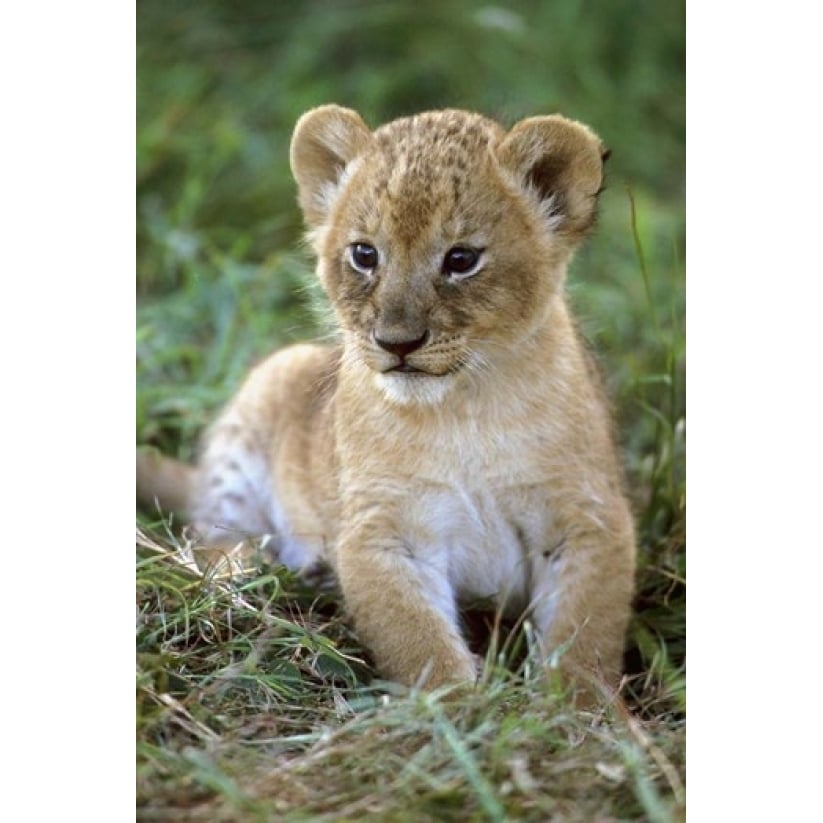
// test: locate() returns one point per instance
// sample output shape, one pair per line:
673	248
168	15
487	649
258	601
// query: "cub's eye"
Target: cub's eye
363	257
461	261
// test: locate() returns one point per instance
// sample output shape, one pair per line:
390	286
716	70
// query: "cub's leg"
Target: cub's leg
404	609
231	503
224	498
266	474
581	602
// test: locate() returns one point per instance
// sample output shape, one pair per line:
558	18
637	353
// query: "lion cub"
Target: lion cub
456	444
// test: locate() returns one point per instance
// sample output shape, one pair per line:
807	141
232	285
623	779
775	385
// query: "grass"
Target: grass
255	700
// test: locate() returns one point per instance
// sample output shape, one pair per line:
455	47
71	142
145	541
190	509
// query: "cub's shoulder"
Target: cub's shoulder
295	374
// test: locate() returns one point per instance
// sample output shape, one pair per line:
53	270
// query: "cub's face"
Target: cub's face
441	240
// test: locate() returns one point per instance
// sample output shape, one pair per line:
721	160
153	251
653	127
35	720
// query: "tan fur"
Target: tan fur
491	470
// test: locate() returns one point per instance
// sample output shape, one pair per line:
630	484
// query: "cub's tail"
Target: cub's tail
164	482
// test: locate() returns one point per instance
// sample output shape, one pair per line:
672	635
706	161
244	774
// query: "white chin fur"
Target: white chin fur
413	389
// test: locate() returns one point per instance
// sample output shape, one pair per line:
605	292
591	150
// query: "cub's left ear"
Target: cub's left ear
559	163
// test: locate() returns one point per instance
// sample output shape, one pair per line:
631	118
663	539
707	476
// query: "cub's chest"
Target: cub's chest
465	491
499	460
477	507
483	537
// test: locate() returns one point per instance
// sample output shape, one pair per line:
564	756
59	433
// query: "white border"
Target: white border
754	410
66	335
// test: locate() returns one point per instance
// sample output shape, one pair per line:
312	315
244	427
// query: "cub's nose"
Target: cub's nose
402	348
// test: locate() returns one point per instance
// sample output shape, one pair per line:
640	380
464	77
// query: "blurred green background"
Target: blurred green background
222	275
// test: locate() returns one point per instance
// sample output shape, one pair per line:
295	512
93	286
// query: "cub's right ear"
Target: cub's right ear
325	141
